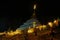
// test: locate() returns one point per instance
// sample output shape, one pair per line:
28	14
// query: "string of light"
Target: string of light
31	30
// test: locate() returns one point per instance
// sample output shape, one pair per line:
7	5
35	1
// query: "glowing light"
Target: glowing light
50	24
34	7
1	33
56	22
44	26
40	27
11	33
30	30
18	32
34	24
37	27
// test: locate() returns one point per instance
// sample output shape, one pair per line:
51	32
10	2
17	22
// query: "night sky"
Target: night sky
13	14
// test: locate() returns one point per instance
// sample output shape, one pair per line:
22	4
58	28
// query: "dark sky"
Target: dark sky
13	14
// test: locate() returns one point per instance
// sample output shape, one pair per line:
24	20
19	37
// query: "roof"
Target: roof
28	23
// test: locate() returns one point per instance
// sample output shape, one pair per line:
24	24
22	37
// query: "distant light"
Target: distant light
12	33
18	32
2	33
40	27
50	24
56	22
34	7
34	24
44	26
30	30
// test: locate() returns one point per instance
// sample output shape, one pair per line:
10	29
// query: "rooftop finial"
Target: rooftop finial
34	6
34	10
34	14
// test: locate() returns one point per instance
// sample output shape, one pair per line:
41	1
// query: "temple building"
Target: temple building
32	22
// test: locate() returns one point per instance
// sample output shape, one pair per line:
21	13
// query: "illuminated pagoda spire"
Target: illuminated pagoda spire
32	22
34	13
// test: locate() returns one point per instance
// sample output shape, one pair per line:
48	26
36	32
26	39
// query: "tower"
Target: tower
34	15
34	11
32	22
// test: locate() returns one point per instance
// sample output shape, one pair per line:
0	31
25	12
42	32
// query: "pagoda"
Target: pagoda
32	22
